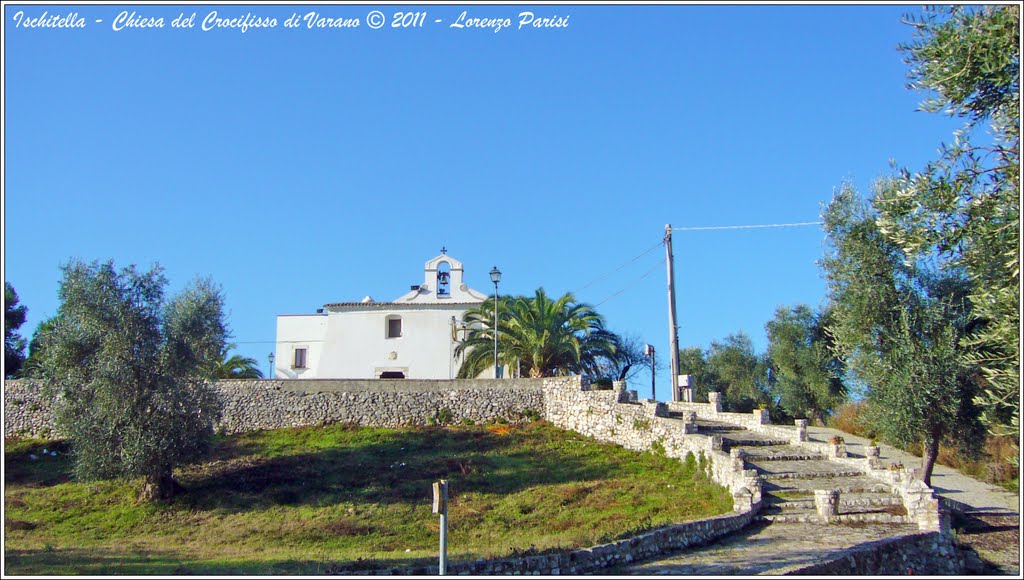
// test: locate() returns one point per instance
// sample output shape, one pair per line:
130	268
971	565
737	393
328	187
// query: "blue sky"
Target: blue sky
301	167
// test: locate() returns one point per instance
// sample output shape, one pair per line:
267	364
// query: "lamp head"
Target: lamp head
495	275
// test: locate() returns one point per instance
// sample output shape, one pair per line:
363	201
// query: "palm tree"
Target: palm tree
236	366
543	337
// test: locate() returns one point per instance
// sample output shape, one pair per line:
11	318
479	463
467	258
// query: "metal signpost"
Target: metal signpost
441	507
649	351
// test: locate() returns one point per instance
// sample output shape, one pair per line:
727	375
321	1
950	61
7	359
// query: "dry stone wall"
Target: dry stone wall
250	405
26	410
273	404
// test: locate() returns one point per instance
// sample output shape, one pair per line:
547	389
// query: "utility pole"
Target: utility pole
673	329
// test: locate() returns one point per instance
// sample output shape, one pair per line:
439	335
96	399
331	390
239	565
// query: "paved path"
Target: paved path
767	549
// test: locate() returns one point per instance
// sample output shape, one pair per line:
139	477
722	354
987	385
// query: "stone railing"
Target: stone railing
712	411
603	415
920	501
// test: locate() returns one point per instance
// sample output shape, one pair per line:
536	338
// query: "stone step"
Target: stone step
788	469
731	442
853	500
840	519
715	426
809	474
845	485
788	453
797	508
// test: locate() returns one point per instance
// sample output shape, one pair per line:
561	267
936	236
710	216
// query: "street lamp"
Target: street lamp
649	351
495	277
270	357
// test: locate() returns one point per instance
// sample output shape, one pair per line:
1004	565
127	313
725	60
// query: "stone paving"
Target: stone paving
767	549
790	533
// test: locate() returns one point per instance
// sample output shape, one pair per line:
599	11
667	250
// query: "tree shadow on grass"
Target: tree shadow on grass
100	561
399	468
20	468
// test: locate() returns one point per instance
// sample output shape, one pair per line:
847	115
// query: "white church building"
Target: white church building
413	336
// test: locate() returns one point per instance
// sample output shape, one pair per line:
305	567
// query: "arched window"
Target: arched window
444	274
393	326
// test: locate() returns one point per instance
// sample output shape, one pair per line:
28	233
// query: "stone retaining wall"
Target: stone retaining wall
590	560
272	404
918	554
251	404
26	411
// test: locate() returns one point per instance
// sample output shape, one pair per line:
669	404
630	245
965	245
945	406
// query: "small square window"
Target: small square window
300	359
394	327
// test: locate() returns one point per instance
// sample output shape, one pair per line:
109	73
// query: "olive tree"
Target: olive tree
129	371
899	323
807	374
963	208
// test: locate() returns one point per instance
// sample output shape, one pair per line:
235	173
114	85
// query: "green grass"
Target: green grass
295	501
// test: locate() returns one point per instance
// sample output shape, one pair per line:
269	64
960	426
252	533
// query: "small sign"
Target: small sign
441	497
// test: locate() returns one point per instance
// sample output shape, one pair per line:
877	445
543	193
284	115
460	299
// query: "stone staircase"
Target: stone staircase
794	476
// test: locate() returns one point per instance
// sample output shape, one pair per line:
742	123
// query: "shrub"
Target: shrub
602	384
443	416
850	419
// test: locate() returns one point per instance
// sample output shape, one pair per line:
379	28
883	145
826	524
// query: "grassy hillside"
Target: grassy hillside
294	501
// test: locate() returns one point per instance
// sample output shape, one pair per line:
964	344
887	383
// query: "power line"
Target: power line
634	283
621	266
747	227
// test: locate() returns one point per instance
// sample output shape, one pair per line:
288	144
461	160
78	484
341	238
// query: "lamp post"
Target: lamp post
270	357
649	351
495	277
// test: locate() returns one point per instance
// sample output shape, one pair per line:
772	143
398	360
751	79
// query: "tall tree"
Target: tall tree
807	373
543	337
899	324
130	371
35	348
14	344
964	207
742	375
693	362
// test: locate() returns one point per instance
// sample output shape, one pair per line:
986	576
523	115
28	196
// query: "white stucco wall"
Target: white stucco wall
360	349
299	331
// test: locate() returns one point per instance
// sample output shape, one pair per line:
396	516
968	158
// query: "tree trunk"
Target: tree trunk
159	486
819	417
931	452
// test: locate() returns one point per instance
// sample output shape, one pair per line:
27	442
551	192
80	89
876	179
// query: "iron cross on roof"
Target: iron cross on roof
444	251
